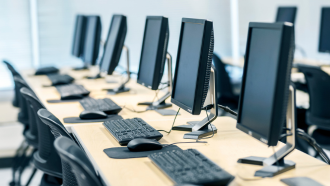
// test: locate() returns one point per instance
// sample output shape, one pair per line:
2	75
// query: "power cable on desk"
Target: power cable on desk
172	124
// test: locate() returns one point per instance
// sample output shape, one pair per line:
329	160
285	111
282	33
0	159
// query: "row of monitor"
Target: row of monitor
265	87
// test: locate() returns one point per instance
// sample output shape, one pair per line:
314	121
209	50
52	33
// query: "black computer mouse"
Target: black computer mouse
72	97
141	144
88	114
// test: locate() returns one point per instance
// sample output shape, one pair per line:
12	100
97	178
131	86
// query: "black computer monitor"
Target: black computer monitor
286	14
267	68
92	39
324	42
79	36
153	53
193	65
114	44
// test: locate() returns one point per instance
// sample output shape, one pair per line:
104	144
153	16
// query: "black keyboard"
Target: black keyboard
126	130
190	167
106	105
46	70
60	79
72	91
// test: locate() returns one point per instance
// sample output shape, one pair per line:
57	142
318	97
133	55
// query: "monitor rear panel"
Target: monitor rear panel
286	14
153	53
193	65
264	95
324	42
79	36
92	40
114	44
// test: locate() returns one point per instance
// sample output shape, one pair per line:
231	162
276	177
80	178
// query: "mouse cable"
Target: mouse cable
133	110
185	142
172	124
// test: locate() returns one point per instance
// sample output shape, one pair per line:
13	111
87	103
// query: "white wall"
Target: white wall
56	22
306	27
15	41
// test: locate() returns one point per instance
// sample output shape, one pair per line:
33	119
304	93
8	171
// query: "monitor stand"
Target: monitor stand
80	68
122	87
200	129
161	104
275	164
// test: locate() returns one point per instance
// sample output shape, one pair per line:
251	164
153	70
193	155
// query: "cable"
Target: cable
208	119
284	135
227	109
185	142
311	141
132	110
172	124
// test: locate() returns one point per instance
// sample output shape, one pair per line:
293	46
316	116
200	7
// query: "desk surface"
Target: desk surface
225	148
130	99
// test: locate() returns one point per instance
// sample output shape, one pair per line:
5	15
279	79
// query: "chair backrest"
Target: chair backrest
58	130
318	83
46	138
225	89
33	127
81	166
11	68
23	114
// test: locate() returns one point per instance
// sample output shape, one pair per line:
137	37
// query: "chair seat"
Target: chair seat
54	168
321	123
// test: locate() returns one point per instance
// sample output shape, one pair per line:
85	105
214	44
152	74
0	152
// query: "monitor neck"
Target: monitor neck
169	76
121	88
211	99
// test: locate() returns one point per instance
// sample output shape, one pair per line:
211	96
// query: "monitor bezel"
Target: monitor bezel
287	7
321	33
161	52
287	30
199	91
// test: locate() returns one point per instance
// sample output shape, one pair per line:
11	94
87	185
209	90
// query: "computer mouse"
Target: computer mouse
78	96
141	144
92	114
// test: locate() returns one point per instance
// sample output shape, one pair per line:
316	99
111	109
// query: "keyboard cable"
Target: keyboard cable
168	132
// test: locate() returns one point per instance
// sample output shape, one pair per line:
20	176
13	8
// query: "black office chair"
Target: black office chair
318	114
59	130
14	73
23	115
81	166
45	158
225	94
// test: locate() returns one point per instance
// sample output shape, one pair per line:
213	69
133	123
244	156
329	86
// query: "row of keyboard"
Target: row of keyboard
182	166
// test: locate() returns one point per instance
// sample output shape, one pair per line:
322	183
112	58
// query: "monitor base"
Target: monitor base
98	76
117	91
80	68
205	131
270	170
161	105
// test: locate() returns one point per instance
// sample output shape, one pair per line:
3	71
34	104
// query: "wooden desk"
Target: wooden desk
130	99
225	148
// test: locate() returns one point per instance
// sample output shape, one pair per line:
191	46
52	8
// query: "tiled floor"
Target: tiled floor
6	177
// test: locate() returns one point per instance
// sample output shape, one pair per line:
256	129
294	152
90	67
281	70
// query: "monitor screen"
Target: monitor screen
324	42
149	51
110	44
260	80
286	14
189	59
